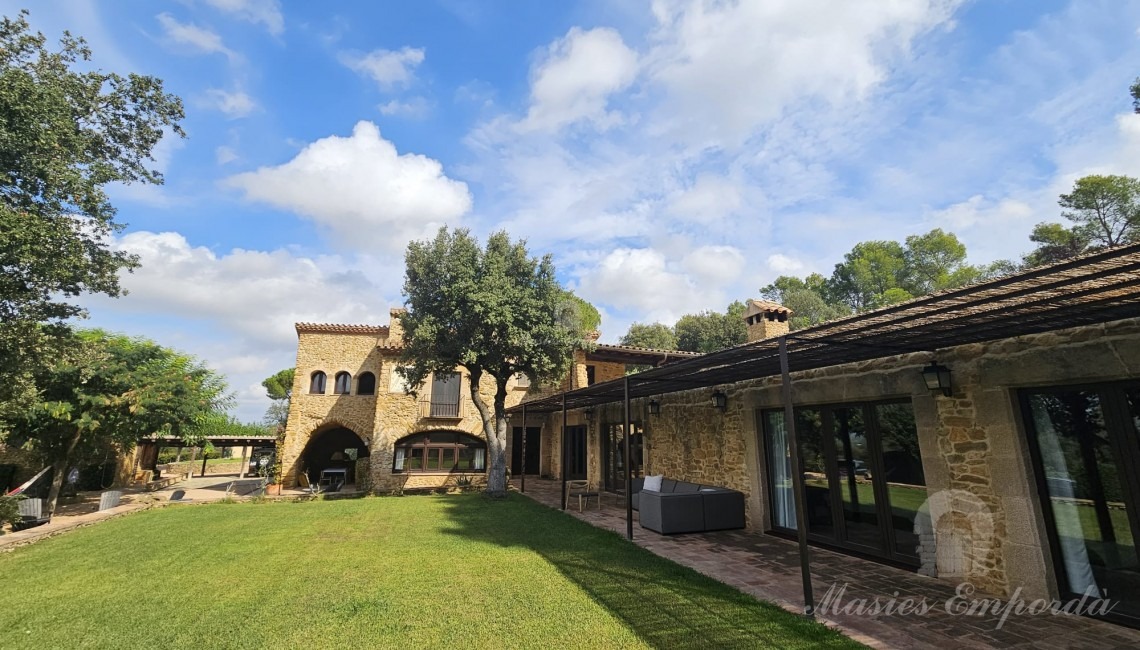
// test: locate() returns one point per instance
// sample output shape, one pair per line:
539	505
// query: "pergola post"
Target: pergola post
204	457
524	450
628	466
565	447
797	477
244	463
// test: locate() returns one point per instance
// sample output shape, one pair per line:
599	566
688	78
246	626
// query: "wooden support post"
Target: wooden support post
204	457
244	462
797	478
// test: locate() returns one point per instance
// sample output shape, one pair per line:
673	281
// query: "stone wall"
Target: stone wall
381	419
984	517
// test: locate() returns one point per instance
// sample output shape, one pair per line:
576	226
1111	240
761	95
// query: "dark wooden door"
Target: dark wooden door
533	444
576	452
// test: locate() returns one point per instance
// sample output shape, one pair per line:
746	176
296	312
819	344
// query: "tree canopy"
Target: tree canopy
658	336
66	131
279	388
494	311
109	391
1103	210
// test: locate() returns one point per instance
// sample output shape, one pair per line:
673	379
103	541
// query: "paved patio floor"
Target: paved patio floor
768	568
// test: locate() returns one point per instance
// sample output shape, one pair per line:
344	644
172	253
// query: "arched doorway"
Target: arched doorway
332	454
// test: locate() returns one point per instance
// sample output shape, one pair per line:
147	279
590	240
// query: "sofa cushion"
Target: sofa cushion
667	484
684	486
637	484
652	483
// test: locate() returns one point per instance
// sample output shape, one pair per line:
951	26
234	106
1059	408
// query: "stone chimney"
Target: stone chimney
395	327
765	319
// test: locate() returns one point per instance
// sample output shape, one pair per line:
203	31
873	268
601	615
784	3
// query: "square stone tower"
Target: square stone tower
765	319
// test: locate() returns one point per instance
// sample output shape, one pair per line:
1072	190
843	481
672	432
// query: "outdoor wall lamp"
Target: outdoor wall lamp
654	407
589	413
937	377
719	399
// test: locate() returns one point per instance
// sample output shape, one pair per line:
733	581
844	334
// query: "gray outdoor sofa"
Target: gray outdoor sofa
683	507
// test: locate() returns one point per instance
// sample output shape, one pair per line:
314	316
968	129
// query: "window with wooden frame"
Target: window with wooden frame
440	451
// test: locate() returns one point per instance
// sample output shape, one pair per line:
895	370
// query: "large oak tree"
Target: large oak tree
494	311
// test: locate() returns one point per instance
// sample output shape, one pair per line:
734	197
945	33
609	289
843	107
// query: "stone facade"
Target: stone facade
380	420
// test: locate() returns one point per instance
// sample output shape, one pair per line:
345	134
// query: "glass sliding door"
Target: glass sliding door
856	491
1086	452
902	473
863	479
613	454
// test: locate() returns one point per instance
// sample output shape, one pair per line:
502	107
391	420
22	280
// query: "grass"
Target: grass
417	572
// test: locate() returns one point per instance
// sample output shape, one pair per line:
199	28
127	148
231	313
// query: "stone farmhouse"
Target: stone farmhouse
351	417
988	434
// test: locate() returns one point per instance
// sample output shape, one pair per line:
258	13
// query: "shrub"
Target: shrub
9	509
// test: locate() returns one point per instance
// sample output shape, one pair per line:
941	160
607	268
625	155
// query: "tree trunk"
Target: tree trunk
60	469
495	429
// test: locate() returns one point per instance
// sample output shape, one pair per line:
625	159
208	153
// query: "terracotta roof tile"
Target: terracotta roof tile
339	328
756	306
634	348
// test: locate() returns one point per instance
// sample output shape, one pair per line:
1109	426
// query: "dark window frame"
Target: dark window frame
318	382
888	553
1114	407
361	385
342	383
423	442
441	404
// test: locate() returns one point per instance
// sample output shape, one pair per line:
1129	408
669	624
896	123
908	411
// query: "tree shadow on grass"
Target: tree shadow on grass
667	605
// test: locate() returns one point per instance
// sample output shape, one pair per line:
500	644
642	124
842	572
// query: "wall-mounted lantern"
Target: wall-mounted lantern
937	378
719	399
589	413
654	407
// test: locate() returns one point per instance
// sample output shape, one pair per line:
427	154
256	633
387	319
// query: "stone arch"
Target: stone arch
333	446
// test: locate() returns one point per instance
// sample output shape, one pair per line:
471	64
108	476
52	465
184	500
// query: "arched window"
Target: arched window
366	384
440	451
343	385
317	383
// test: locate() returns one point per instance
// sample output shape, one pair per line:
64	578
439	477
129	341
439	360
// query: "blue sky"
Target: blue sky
672	155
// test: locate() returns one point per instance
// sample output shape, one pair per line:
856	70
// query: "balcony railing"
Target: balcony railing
441	410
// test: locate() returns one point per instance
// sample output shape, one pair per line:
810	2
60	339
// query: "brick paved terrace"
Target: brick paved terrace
768	568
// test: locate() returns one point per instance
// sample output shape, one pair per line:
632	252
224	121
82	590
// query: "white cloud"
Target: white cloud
977	210
360	188
729	68
256	294
708	199
575	78
415	107
639	279
193	37
225	155
234	104
388	68
264	12
784	264
714	266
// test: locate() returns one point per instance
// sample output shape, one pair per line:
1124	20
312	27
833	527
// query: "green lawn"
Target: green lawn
414	572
